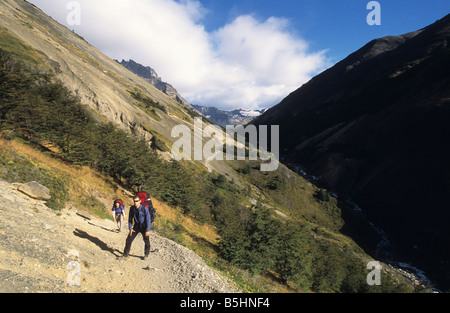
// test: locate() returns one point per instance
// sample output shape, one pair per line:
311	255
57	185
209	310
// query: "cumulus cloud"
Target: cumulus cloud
248	63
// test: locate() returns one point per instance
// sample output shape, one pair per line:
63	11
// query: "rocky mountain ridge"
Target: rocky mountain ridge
217	116
150	75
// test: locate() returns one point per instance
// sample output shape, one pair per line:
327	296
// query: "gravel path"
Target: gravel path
46	251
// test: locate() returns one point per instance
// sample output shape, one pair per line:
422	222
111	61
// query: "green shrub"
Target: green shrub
323	195
92	204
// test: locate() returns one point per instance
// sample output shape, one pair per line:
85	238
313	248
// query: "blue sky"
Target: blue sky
338	26
237	53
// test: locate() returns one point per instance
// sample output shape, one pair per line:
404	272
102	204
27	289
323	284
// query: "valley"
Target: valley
90	130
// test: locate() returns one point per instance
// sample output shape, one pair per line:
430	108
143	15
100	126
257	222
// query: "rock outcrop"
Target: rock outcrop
35	190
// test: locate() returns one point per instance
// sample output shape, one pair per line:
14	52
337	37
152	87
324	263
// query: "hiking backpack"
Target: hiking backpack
120	201
147	202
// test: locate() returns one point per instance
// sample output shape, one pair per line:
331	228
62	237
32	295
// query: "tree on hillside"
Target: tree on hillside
294	258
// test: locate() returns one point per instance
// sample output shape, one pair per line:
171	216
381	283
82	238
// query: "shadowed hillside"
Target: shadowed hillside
375	127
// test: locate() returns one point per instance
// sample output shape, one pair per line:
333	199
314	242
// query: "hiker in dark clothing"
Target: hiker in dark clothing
140	216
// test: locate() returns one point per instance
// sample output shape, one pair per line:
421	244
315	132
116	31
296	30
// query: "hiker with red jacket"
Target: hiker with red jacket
118	212
140	217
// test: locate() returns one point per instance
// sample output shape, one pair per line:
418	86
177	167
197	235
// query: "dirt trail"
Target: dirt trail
46	251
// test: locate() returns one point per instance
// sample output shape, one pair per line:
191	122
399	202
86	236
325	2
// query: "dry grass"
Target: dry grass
80	178
83	181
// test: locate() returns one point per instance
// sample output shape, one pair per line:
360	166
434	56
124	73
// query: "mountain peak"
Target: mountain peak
150	75
377	47
144	71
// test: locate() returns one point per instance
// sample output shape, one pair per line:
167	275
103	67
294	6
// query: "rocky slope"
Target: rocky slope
47	251
102	84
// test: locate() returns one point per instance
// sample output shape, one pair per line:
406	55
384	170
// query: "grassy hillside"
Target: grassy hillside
19	49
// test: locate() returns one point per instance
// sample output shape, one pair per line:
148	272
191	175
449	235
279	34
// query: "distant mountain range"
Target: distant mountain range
376	128
218	116
223	118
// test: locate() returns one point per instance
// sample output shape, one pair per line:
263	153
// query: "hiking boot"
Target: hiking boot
122	257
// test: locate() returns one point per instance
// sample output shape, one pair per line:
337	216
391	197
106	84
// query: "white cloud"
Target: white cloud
246	64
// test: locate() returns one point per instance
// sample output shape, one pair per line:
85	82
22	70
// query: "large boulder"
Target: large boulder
35	190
